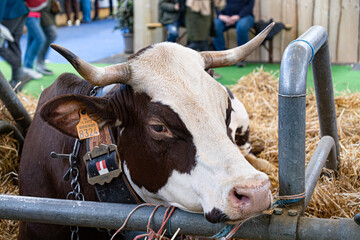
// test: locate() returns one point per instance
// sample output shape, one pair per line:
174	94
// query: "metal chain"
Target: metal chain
93	91
75	194
73	172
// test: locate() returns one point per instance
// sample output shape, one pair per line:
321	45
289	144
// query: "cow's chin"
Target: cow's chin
217	216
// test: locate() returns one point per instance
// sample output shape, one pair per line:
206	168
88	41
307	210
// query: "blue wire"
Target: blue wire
312	48
223	232
170	226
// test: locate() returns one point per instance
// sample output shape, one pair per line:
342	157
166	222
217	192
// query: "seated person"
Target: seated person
169	16
238	14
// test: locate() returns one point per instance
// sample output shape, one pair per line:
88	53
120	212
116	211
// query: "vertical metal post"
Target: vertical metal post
321	67
292	112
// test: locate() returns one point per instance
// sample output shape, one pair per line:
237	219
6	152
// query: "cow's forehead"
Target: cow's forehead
174	75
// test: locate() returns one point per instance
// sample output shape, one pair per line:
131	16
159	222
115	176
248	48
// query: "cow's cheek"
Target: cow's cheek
180	192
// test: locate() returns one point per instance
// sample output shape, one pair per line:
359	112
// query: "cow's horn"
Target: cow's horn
99	76
214	59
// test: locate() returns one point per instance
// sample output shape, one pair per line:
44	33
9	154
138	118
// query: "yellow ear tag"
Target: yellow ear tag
86	128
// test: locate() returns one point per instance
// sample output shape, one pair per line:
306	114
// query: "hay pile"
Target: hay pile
9	164
332	198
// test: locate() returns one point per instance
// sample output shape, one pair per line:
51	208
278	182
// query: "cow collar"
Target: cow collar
104	167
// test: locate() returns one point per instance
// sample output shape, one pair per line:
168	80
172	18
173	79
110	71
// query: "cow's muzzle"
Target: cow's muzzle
244	201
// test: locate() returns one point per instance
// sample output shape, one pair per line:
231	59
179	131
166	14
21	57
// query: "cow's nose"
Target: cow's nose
251	198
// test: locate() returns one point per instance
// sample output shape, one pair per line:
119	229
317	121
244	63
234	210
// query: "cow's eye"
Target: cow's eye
158	128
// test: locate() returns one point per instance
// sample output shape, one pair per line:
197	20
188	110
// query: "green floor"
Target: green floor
343	77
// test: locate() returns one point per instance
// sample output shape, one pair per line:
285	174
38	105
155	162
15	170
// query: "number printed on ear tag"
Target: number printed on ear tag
86	128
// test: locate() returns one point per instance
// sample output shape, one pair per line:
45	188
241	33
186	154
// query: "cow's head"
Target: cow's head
173	129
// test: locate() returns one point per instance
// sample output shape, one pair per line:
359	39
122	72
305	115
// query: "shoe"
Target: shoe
33	74
19	83
217	75
241	64
42	69
77	22
69	23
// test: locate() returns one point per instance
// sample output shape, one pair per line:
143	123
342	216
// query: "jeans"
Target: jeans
50	34
86	9
242	31
11	52
71	5
172	29
35	41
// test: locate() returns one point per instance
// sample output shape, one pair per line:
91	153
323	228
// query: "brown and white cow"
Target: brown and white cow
171	122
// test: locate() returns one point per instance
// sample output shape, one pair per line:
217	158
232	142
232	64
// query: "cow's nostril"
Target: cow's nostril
241	198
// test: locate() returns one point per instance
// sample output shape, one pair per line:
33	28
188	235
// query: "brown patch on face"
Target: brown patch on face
241	138
216	216
228	119
231	95
151	160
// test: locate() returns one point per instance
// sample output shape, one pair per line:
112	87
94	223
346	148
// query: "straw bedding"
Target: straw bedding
333	198
9	164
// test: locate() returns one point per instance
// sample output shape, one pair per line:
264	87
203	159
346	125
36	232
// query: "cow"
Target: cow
173	126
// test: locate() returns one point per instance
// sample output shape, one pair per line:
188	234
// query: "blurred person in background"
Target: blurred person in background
96	6
13	14
49	28
72	5
35	41
86	10
236	14
199	22
170	13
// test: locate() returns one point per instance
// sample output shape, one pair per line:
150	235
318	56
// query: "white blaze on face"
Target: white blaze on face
175	76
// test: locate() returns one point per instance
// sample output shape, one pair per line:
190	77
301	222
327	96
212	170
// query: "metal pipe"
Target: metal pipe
292	109
13	104
113	215
317	228
316	165
6	128
323	84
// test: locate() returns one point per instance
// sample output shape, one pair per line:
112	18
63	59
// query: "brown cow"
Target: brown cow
170	121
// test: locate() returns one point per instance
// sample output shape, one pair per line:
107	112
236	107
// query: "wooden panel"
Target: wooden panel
348	35
265	14
334	22
276	12
305	15
321	13
255	56
289	16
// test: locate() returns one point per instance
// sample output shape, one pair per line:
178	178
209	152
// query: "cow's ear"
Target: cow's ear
63	112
